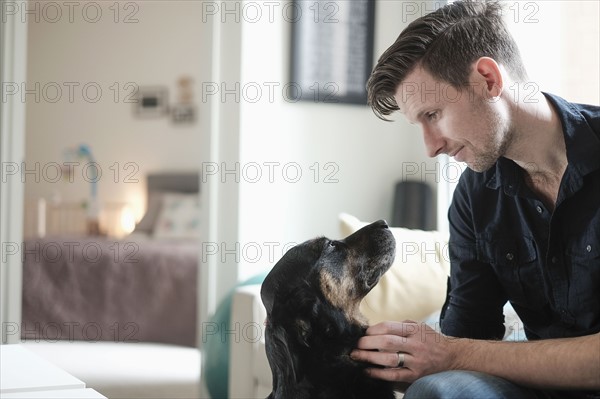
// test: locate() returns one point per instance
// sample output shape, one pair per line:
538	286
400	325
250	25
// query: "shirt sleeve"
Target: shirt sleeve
475	298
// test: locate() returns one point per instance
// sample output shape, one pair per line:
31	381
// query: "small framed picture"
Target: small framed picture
152	102
332	50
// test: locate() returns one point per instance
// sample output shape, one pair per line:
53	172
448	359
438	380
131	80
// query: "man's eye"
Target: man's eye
432	116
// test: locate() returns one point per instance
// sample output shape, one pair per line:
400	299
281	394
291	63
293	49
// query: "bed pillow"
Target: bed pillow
415	286
179	216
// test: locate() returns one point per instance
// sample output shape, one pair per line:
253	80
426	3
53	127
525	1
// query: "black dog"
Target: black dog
312	296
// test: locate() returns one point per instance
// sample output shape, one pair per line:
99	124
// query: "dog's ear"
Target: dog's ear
304	306
289	330
284	361
304	330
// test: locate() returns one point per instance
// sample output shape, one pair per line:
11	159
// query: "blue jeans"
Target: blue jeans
469	385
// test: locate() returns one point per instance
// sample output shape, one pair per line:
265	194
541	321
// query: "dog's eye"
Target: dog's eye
335	246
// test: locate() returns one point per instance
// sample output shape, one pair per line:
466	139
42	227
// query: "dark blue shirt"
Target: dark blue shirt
505	245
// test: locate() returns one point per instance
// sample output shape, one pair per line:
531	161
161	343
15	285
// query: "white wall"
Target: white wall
152	43
560	46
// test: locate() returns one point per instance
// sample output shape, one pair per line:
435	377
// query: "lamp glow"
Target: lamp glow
127	220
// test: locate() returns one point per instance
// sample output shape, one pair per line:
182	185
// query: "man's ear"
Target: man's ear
489	74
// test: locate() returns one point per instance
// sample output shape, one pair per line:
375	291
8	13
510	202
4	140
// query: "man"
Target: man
524	221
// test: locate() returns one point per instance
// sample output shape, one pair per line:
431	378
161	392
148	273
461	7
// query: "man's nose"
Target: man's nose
434	142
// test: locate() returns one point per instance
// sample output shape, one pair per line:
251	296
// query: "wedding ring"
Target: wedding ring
400	359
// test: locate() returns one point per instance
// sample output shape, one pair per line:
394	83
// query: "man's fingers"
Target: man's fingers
387	359
403	329
389	343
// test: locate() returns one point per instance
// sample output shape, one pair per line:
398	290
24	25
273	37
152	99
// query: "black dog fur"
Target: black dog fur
312	297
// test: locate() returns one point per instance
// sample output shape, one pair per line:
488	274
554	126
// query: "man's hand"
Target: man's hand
425	351
566	363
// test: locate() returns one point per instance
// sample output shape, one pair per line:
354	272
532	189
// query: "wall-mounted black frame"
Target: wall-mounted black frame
151	101
332	50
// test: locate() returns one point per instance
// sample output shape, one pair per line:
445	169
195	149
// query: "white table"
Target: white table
24	374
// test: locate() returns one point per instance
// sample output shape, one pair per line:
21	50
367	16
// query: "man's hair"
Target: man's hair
445	43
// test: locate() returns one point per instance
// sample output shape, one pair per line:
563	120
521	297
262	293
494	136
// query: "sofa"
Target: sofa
414	288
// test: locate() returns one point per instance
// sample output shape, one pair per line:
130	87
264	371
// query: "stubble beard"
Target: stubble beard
498	136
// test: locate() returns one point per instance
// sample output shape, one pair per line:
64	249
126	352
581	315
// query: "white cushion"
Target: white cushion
415	285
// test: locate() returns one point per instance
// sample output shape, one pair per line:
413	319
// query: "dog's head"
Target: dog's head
312	296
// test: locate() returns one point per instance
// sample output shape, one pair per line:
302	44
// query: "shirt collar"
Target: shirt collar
506	173
582	143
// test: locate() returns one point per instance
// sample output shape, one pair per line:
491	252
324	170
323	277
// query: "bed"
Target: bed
141	288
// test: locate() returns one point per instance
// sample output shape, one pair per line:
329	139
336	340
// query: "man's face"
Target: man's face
465	124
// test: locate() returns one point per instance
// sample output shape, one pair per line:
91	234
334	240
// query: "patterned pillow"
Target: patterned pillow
179	216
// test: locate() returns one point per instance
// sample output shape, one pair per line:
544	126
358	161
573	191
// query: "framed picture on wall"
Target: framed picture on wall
151	102
331	51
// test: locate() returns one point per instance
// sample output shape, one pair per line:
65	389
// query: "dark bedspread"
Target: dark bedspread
100	289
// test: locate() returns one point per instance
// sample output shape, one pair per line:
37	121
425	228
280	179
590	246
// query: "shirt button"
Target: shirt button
588	248
510	256
539	209
554	259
